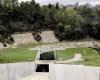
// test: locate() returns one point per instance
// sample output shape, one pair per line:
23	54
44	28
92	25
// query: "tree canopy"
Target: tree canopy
68	23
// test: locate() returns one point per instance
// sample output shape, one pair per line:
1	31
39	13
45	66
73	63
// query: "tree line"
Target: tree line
70	22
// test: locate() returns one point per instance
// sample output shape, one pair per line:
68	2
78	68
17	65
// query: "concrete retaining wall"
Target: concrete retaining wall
14	71
73	72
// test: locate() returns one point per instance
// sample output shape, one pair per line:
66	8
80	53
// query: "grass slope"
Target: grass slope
91	56
19	54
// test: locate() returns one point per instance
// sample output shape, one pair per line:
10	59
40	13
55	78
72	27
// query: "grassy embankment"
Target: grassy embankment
19	54
91	56
22	53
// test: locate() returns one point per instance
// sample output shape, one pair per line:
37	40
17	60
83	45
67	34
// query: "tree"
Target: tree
60	31
76	22
57	6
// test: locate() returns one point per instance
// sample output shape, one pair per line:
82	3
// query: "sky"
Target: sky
65	2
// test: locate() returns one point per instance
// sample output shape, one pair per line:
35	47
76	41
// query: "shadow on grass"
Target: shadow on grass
97	49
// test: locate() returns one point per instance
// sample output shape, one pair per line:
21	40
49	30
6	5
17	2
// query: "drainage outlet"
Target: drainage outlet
42	68
47	56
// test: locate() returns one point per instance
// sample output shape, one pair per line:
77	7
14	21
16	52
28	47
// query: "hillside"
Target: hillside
47	37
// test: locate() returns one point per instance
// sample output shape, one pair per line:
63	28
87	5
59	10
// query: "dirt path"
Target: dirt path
62	46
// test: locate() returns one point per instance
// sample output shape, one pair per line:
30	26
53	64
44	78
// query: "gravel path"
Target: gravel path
62	46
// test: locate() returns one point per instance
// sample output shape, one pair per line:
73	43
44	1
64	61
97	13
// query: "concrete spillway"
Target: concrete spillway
37	76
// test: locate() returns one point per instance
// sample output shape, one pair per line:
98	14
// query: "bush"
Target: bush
37	37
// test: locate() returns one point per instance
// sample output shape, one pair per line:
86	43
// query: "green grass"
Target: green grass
19	54
91	56
94	62
65	54
22	53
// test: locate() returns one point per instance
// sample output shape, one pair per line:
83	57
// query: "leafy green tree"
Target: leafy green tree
72	23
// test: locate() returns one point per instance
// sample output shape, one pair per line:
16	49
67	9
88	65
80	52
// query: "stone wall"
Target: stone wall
23	38
47	36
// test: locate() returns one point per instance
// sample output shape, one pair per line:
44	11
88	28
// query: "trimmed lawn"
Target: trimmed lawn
19	54
91	56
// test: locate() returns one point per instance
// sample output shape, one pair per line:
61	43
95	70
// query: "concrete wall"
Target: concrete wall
13	71
73	72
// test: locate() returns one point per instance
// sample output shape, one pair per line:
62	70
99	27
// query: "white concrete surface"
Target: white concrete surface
4	72
13	71
26	71
74	72
37	76
60	72
67	72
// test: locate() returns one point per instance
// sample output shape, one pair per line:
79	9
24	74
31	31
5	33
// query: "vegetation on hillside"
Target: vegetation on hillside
68	23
